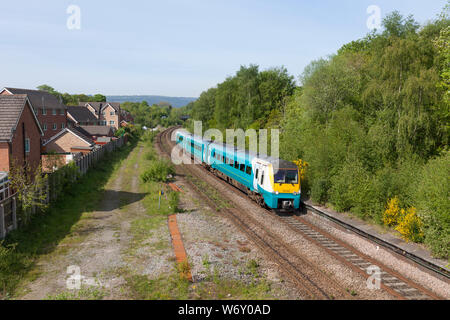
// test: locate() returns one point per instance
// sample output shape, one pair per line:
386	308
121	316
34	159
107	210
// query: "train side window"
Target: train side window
248	170
242	167
262	178
256	174
236	165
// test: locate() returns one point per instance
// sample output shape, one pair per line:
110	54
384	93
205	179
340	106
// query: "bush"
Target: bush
410	226
174	200
151	155
433	204
159	170
392	214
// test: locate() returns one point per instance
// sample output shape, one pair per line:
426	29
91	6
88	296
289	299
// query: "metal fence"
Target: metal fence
9	208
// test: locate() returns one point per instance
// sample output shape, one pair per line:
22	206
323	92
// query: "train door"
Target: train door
259	176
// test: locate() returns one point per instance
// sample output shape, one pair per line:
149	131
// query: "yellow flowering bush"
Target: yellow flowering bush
406	222
410	226
392	214
302	166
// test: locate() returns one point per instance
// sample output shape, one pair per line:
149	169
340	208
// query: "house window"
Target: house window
112	113
61	112
112	122
45	127
63	125
55	126
54	112
4	188
36	111
44	111
27	145
103	123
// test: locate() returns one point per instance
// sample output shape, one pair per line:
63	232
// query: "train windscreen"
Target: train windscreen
286	176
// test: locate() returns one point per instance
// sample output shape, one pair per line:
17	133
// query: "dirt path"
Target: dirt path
101	238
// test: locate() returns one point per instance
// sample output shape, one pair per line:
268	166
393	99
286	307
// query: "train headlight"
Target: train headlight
277	193
295	193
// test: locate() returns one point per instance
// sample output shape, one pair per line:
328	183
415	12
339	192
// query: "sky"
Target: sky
175	47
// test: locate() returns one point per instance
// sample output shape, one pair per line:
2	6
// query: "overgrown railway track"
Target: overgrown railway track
309	278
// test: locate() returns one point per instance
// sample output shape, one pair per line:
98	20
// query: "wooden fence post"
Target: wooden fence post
2	222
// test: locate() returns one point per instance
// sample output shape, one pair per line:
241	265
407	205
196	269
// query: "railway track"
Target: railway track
390	280
435	269
311	280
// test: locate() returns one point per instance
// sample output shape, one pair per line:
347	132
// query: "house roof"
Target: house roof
104	139
11	108
98	106
96	130
73	131
38	98
81	114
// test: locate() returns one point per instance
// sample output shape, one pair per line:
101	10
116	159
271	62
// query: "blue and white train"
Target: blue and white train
271	182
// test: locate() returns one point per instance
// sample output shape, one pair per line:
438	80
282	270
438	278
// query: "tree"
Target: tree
30	186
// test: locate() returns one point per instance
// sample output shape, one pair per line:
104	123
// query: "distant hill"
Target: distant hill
176	102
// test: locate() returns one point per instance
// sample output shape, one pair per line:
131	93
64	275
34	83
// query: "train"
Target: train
271	182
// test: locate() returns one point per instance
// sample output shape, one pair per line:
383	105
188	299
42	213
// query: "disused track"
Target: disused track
312	282
309	278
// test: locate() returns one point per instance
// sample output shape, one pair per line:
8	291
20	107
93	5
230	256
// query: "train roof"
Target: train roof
246	154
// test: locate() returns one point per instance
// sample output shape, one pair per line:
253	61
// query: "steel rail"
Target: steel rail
385	244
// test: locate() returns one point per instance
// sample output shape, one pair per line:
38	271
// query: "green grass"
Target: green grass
53	232
166	287
89	293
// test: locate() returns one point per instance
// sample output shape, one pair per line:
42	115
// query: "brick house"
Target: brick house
64	147
108	113
51	113
20	133
69	140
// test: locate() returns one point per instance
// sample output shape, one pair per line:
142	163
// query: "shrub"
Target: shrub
392	214
159	170
410	226
433	204
174	200
151	155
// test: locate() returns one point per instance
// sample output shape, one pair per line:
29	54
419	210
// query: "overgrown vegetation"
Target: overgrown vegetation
158	114
159	170
371	121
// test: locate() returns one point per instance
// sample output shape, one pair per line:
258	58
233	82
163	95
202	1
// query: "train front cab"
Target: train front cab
280	190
